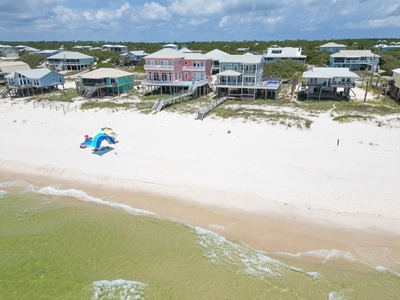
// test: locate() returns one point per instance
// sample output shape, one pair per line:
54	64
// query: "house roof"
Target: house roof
105	73
229	73
240	58
332	45
34	73
285	52
216	54
329	73
166	53
396	70
195	55
185	50
354	53
10	66
70	55
136	53
170	45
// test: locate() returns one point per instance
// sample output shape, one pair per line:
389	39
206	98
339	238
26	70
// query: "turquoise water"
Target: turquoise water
65	244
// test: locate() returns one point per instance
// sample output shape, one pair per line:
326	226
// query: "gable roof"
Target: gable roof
33	74
70	55
216	54
105	73
329	73
396	70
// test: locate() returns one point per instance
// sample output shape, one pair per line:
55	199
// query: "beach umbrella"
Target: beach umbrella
109	131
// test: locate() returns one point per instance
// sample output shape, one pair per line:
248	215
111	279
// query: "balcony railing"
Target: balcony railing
353	61
194	68
158	67
333	84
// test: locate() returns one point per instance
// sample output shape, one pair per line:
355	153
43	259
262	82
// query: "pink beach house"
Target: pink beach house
170	68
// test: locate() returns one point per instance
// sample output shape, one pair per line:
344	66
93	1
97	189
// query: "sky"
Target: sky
197	20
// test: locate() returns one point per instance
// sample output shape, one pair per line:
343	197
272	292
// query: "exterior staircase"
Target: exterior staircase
5	92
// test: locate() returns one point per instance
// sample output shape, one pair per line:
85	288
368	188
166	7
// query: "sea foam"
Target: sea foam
81	195
3	194
118	289
249	261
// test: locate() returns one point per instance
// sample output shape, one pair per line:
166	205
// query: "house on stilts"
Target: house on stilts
177	74
26	83
104	82
241	76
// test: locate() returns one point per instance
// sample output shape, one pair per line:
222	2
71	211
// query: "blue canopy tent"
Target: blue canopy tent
97	140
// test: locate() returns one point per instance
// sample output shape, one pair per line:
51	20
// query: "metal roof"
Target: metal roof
240	58
354	53
105	73
216	54
329	73
166	53
195	55
33	74
70	55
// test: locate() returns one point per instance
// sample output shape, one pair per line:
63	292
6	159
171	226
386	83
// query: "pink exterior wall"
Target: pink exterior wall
180	67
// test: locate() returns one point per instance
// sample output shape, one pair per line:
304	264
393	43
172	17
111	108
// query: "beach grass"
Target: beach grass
66	95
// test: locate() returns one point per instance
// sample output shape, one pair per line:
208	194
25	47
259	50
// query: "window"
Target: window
164	76
150	76
59	79
276	51
198	64
166	63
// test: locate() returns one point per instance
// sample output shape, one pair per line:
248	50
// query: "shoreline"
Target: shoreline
273	234
272	188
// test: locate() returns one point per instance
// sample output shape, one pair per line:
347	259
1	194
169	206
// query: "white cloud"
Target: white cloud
376	23
154	12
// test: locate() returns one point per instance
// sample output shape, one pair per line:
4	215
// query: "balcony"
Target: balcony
194	68
158	67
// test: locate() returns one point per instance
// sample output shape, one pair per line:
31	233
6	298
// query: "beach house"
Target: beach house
332	47
116	48
170	46
241	76
215	56
132	57
169	70
395	88
327	83
274	54
70	61
104	82
29	82
355	60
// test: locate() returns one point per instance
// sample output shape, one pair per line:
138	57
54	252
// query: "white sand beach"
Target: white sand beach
269	186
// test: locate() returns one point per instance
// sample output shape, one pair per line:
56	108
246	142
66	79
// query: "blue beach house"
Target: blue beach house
70	61
30	82
105	82
355	60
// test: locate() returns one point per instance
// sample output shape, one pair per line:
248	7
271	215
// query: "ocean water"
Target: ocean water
66	244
